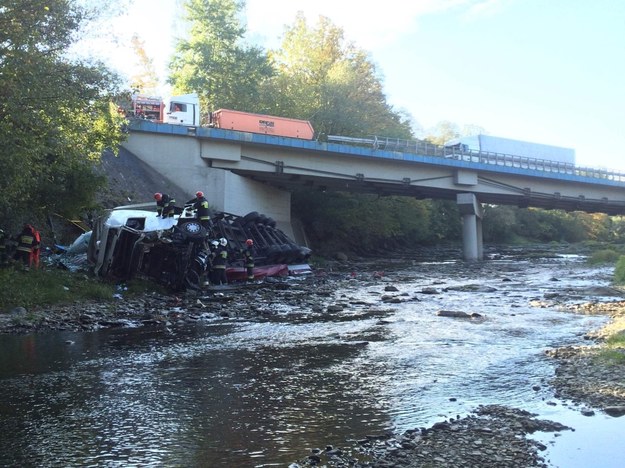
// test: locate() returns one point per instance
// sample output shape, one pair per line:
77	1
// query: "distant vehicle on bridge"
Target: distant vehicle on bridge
464	146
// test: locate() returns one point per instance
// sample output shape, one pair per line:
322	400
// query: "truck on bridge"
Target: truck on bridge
525	149
185	110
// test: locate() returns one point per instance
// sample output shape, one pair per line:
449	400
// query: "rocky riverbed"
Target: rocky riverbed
492	435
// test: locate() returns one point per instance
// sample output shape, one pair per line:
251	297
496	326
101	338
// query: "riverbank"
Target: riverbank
493	435
499	436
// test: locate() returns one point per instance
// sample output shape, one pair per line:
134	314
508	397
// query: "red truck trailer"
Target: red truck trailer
258	123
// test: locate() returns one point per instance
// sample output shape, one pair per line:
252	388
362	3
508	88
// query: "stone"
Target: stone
452	313
19	311
587	412
614	411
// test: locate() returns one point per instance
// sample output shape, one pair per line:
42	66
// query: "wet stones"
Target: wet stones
493	436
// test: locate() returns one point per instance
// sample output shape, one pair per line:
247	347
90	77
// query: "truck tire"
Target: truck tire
252	216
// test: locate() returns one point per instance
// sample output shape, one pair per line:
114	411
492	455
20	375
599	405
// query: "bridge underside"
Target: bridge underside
516	196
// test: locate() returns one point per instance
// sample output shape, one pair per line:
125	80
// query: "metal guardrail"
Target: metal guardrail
483	157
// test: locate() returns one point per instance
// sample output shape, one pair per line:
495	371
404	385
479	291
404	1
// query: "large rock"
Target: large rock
457	314
615	411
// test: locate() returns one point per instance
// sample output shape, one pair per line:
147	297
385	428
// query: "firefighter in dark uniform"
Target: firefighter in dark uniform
165	205
202	212
248	259
218	272
28	247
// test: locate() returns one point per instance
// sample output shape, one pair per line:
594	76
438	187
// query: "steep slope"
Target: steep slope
132	181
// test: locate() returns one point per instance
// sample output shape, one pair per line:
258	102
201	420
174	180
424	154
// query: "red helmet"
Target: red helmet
158	196
199	194
249	242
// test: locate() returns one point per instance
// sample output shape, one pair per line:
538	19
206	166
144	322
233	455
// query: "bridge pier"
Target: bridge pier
471	211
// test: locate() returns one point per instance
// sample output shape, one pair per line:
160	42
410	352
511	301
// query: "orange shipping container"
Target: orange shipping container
257	123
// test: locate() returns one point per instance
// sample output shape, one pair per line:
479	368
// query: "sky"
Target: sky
546	71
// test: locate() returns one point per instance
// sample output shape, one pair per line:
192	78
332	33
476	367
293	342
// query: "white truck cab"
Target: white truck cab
183	110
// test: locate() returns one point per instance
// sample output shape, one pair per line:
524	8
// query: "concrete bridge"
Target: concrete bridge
241	172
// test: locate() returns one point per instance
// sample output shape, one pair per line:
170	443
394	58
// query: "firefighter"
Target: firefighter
248	258
202	213
218	272
28	247
165	205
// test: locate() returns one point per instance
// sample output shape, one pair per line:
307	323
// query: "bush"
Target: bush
603	256
619	270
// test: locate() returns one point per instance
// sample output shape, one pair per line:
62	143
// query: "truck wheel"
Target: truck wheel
250	217
193	230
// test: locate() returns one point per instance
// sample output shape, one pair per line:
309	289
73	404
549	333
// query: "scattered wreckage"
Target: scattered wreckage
175	252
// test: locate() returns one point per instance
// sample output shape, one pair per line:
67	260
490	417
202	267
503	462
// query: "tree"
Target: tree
499	222
446	130
55	113
146	79
361	222
214	62
322	78
445	221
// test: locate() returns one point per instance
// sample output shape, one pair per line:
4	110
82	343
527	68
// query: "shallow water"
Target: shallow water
263	392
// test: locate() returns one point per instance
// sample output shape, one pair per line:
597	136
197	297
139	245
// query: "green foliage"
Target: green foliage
617	340
499	223
603	256
214	62
332	83
55	113
362	222
44	287
48	287
508	223
619	270
445	222
614	350
612	356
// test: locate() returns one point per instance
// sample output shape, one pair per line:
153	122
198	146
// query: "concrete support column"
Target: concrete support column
471	211
480	239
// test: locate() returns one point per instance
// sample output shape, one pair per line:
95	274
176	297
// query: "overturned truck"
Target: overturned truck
175	251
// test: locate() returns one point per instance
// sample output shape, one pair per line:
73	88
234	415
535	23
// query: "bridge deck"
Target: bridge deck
502	179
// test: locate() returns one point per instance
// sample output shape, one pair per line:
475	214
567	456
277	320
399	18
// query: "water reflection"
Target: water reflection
246	393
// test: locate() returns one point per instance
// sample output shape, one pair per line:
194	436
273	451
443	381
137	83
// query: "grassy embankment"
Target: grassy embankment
37	288
612	349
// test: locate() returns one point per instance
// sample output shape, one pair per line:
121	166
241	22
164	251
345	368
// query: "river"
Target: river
264	391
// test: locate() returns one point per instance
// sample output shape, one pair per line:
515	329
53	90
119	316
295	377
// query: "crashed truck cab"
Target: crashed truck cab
132	242
175	251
